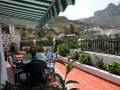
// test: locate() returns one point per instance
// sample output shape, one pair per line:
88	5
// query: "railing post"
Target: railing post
81	40
114	46
106	46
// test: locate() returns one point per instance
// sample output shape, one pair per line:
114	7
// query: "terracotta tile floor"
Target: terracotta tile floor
86	80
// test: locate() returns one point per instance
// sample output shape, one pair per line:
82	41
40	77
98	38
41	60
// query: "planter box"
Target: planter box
100	73
107	58
95	71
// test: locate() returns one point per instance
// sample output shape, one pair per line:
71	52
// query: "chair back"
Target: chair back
51	62
10	60
37	69
51	56
14	58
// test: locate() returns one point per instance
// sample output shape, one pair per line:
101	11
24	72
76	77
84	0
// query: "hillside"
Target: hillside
63	25
56	26
110	16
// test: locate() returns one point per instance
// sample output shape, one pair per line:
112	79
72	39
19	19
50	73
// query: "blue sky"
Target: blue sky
85	8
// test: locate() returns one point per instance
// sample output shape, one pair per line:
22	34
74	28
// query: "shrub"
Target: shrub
75	55
85	59
9	86
63	49
114	68
40	48
74	44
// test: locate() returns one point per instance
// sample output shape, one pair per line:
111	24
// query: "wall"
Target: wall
0	61
14	35
16	39
7	40
107	58
3	71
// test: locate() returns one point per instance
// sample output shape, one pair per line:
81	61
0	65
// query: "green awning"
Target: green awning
33	10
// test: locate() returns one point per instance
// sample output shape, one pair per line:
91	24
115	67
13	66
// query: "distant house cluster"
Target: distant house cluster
100	31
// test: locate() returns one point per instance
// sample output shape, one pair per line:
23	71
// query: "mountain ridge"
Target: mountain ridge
110	16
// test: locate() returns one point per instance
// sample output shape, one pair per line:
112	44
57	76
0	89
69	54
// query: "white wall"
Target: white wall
16	39
4	76
107	58
15	36
12	29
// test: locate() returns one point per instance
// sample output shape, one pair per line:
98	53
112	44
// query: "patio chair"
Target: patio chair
36	71
17	70
51	61
15	61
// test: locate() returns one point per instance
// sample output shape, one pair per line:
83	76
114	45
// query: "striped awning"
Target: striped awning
33	10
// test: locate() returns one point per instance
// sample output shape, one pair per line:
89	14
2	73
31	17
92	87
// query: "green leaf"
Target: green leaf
61	62
62	82
69	59
71	81
69	68
74	89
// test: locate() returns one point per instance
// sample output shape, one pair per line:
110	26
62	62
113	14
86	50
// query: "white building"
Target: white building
97	30
110	32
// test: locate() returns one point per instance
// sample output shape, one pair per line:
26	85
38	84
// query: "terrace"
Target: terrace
37	13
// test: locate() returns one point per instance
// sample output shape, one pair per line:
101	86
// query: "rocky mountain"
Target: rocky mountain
110	16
